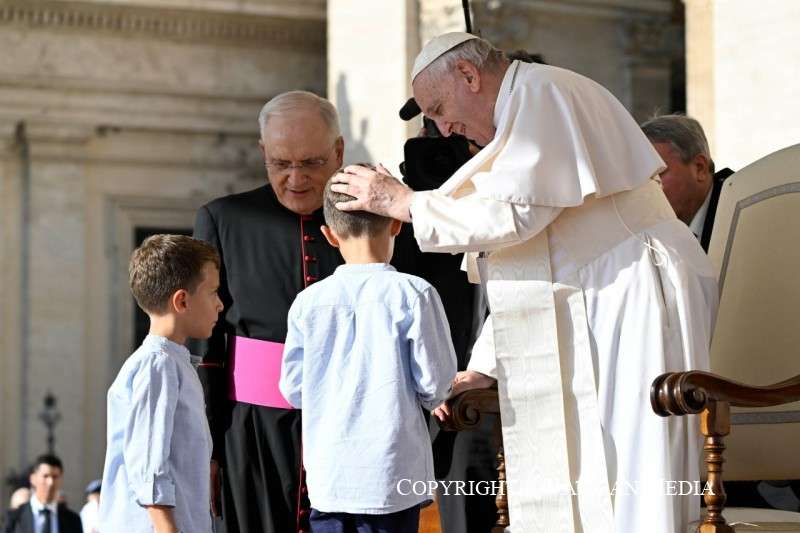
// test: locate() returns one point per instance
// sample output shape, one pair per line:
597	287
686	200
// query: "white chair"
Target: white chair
755	246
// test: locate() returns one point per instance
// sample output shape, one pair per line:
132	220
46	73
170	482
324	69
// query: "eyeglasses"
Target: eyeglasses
281	167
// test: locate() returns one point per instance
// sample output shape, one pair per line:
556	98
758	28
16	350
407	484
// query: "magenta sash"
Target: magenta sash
256	372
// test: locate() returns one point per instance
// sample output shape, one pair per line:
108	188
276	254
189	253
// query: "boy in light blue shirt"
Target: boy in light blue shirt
365	349
157	468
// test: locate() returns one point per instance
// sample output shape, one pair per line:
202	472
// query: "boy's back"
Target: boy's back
366	348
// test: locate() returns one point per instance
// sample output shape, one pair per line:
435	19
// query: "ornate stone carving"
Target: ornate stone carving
166	24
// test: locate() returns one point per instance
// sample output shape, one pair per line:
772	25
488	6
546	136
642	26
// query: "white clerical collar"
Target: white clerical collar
699	219
37	506
505	91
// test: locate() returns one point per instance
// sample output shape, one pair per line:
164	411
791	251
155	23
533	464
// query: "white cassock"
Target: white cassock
595	288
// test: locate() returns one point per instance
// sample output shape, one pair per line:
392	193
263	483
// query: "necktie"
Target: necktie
48	521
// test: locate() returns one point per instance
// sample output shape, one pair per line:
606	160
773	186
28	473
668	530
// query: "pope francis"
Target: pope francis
594	286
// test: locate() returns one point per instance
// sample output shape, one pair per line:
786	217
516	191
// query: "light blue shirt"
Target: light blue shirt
158	450
38	516
365	349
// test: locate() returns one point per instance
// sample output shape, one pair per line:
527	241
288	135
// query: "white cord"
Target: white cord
660	258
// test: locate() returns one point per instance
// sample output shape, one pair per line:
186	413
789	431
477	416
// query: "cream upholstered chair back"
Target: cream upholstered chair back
755	246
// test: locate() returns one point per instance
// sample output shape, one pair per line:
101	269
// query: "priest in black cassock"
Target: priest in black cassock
271	249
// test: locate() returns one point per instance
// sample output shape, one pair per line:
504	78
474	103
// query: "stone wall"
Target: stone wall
115	115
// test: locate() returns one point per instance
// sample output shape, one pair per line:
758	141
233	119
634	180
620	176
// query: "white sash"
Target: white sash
558	479
555	459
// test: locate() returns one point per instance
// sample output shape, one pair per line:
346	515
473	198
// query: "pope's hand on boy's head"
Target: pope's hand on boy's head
375	191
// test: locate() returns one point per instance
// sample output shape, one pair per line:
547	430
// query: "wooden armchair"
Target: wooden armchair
683	393
754	249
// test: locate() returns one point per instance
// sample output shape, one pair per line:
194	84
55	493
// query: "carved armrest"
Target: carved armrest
682	393
466	409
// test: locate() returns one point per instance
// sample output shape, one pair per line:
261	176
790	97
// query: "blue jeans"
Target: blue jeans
405	521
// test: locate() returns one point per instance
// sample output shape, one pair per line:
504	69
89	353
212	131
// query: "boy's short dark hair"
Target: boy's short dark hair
164	264
350	223
49	460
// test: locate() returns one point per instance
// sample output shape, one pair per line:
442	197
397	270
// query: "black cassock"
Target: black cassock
269	254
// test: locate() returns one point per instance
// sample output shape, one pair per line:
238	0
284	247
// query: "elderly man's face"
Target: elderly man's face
685	184
300	157
456	104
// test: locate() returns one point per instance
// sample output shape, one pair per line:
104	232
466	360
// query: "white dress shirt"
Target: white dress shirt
38	516
699	219
89	516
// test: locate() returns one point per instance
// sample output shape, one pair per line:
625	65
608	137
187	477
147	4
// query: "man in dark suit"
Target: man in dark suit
43	514
690	182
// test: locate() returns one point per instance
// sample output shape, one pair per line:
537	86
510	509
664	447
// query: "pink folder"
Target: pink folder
256	372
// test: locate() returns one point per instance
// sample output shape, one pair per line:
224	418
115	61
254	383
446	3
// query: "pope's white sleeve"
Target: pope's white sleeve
474	223
483	358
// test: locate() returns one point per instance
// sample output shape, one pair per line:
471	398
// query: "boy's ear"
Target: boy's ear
329	236
395	226
178	300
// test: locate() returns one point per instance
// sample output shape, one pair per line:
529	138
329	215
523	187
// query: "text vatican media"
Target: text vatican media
496	488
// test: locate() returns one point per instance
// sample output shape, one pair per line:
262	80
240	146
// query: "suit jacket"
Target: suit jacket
716	189
21	520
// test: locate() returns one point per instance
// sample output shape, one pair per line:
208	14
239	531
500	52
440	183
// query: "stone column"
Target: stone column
743	63
41	304
371	49
56	292
10	223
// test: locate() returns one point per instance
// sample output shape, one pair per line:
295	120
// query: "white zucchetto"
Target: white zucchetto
437	46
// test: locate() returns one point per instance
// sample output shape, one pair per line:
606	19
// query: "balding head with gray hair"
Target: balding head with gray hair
299	101
302	148
688	177
684	133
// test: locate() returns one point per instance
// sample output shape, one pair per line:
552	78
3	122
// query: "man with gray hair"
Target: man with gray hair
271	248
595	288
689	181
